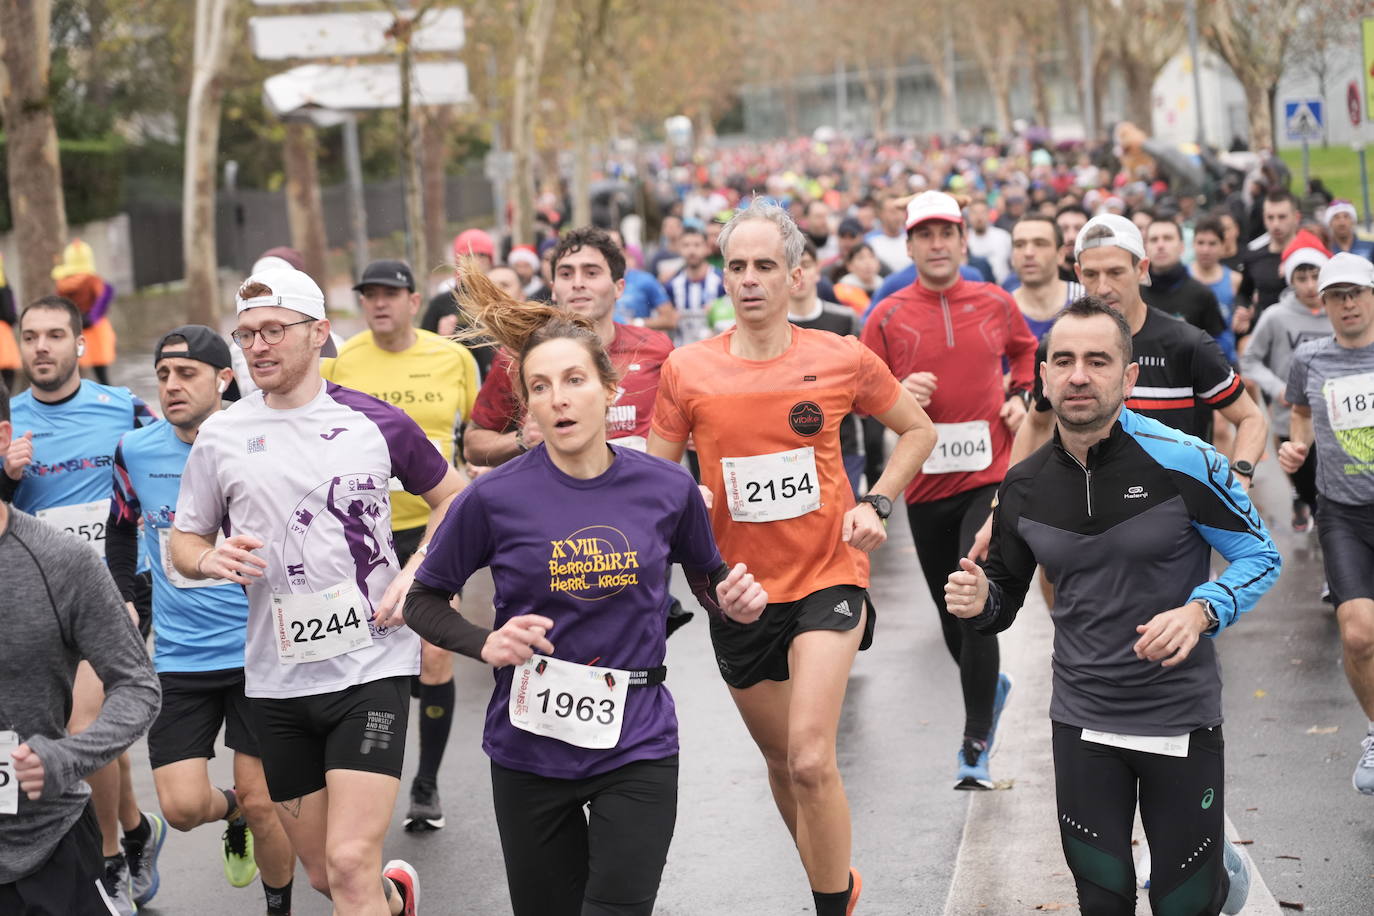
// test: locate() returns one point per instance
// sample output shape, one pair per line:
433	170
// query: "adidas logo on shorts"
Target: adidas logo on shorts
843	608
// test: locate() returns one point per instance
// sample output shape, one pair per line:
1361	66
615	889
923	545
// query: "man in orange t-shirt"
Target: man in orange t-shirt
764	403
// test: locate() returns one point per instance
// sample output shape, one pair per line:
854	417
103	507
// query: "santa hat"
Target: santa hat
1306	250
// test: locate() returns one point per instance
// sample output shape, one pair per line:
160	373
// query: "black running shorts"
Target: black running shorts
194	706
358	728
1346	534
753	652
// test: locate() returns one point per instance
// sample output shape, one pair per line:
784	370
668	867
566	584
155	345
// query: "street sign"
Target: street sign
1367	48
1302	119
1352	103
363	86
349	34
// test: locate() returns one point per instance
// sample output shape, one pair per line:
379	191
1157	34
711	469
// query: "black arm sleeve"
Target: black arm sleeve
121	554
704	585
1010	564
428	613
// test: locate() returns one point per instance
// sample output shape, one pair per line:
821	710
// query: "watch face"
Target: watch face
1243	467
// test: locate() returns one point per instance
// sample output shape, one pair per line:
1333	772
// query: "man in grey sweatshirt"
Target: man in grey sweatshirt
61	604
1297	316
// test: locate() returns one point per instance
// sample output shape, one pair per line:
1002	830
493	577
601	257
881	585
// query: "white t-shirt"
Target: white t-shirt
311	483
890	249
994	244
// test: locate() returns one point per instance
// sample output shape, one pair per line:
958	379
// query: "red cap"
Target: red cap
473	241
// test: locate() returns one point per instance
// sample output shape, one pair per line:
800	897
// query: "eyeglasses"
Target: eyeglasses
1338	294
272	334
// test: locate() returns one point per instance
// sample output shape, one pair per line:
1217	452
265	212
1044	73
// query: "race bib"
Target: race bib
638	443
575	704
960	448
312	628
770	488
395	485
9	783
164	542
1167	745
1350	401
85	520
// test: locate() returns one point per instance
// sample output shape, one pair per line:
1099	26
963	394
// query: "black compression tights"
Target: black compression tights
944	531
608	862
1181	807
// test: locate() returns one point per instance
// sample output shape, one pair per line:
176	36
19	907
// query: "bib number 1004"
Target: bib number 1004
565	705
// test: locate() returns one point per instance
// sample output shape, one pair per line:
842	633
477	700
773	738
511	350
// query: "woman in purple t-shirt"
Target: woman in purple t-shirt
579	537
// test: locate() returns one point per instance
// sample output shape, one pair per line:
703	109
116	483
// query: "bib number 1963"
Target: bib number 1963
576	704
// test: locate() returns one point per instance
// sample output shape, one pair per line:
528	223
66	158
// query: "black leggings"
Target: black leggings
943	531
607	862
1181	807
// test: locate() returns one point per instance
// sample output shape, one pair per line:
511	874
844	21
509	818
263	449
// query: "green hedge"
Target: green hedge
92	179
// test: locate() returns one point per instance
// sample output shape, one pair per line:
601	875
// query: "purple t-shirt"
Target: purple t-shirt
593	556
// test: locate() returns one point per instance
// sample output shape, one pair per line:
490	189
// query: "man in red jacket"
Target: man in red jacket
947	339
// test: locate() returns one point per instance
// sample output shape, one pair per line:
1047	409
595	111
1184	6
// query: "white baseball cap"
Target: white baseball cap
290	288
1339	206
930	205
1108	230
1345	268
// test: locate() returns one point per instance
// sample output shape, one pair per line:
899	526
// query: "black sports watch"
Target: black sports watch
881	504
1213	621
1243	468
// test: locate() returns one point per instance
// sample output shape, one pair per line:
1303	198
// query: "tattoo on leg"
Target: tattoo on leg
292	807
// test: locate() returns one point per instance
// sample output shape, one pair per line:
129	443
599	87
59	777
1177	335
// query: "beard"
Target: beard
62	371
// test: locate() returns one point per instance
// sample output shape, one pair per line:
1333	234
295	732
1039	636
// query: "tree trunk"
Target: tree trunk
434	149
583	81
888	111
216	30
37	207
536	25
416	250
1039	90
304	210
1139	95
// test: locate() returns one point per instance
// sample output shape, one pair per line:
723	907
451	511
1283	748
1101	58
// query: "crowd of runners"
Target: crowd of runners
1060	365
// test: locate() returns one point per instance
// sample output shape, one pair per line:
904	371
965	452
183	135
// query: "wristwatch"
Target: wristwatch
1213	621
1243	468
881	504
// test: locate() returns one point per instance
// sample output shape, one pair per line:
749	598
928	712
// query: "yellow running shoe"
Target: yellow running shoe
239	866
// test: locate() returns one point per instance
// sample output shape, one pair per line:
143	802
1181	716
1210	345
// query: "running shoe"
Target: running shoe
237	851
403	875
856	886
425	813
999	702
678	616
1364	770
1302	517
973	766
1238	870
143	876
116	886
1326	592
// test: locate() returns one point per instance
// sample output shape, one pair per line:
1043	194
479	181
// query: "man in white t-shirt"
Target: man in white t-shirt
297	475
987	241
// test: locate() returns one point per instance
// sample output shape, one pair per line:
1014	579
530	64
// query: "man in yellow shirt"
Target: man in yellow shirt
434	380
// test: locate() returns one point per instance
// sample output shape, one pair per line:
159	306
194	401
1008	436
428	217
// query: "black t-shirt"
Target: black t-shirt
1183	375
1176	292
1260	283
838	319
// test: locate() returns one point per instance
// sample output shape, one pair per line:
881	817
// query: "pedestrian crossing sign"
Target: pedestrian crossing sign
1302	119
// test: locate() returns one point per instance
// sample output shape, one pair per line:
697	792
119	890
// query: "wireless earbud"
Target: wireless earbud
80	349
221	386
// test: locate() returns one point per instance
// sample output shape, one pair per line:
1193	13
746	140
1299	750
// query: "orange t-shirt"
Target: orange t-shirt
738	408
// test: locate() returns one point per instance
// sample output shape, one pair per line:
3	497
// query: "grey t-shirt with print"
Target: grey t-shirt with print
1345	457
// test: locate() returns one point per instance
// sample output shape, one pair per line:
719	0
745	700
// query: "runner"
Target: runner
1333	410
1298	316
946	338
59	469
1340	217
615	519
9	350
1172	289
299	471
199	629
1035	245
434	380
1261	281
691	291
764	402
60	596
1070	218
1209	241
1136	703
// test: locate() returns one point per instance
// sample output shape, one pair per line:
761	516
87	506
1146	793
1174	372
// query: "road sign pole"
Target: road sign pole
1364	184
1306	169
